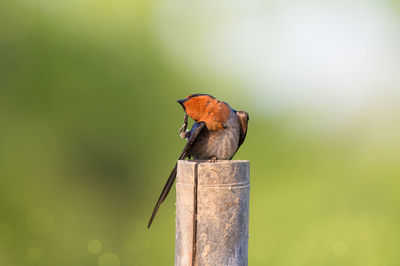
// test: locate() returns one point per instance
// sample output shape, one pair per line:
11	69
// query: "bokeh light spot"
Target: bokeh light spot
35	252
339	248
40	221
6	235
109	259
94	246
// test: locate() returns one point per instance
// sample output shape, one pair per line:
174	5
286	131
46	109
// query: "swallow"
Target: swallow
217	133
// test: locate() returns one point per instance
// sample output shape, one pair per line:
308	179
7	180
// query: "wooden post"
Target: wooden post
212	213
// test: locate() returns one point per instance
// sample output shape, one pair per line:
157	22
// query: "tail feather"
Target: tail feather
164	194
195	131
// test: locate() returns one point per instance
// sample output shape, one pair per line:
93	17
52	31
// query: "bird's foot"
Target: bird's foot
185	135
182	130
213	159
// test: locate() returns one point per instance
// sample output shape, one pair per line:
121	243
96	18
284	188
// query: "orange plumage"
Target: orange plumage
207	109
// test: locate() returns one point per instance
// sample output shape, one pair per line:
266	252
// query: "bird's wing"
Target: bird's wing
243	119
195	131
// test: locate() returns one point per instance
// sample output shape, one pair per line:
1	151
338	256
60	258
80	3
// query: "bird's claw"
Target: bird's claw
185	135
184	126
213	159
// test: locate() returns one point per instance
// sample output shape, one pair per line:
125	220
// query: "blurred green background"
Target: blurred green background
88	125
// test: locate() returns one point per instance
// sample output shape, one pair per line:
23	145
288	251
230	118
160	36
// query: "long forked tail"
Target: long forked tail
195	131
164	193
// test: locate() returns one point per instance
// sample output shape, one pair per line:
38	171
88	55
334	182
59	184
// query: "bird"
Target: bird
217	133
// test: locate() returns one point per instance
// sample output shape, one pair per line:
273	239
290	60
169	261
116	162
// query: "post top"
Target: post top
221	172
216	162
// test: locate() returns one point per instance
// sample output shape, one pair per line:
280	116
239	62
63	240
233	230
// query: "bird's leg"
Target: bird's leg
182	130
185	135
185	124
213	159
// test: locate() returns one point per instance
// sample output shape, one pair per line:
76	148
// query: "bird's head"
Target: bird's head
196	104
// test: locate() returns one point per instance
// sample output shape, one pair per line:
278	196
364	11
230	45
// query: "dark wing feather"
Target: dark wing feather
244	119
195	131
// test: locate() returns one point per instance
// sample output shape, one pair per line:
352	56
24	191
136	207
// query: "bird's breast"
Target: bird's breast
221	144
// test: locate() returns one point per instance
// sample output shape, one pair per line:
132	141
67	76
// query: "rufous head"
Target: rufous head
207	109
195	105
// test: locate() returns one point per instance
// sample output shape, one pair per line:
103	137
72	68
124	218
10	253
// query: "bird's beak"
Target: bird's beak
181	101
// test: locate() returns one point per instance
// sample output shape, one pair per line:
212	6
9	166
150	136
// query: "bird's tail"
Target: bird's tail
195	131
164	193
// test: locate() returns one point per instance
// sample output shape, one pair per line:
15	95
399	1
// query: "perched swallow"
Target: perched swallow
217	134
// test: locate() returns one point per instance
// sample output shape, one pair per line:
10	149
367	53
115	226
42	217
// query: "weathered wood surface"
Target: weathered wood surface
212	224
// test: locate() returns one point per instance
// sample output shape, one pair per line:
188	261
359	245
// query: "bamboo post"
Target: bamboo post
212	213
